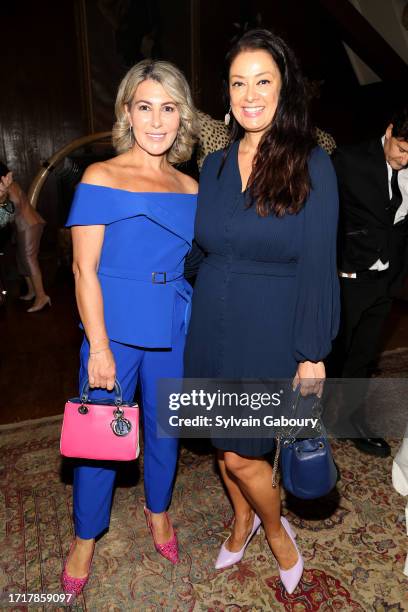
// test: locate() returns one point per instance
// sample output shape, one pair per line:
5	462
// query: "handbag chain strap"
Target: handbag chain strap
288	437
275	481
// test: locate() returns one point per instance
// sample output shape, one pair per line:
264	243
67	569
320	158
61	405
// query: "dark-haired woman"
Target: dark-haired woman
266	301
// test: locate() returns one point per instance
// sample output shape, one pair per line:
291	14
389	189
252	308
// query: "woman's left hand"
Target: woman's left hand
311	378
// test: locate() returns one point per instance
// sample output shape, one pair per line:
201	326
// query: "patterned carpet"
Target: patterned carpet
353	542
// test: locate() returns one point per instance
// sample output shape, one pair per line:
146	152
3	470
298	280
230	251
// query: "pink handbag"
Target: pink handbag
100	429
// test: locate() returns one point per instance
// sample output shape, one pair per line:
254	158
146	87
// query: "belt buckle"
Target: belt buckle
159	282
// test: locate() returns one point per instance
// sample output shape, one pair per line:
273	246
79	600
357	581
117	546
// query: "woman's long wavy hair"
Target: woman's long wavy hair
280	181
175	84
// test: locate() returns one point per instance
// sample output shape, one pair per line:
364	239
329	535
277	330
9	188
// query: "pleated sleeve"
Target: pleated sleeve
317	311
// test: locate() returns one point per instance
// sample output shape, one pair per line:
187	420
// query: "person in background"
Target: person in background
30	226
266	298
132	222
373	257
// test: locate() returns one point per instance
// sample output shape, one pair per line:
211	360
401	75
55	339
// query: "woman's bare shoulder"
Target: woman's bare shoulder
100	173
189	184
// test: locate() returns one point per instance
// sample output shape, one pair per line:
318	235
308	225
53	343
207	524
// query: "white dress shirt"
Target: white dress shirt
402	210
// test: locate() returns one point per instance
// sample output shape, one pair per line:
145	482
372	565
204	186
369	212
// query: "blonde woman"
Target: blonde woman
132	225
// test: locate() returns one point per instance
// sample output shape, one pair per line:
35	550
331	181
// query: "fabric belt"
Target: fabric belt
157	278
249	266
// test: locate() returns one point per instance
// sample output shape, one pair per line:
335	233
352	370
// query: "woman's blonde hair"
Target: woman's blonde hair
175	84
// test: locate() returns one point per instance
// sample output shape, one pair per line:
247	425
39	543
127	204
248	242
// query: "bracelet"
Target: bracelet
100	351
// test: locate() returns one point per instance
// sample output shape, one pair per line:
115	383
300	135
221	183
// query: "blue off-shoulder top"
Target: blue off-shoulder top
147	237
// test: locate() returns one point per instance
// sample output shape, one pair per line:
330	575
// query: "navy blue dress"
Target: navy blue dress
266	295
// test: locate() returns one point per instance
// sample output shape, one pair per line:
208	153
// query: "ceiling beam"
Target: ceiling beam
365	41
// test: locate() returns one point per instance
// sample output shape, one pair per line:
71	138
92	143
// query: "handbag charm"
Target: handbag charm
120	425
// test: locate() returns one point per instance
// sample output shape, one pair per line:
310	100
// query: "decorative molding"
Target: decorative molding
357	32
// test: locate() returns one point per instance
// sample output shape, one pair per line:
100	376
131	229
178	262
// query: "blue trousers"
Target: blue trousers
94	481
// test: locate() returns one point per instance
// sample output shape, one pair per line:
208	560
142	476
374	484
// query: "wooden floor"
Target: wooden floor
39	351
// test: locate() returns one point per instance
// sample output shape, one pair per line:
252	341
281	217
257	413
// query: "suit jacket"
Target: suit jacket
367	231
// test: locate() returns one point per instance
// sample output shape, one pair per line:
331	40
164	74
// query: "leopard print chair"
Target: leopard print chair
214	135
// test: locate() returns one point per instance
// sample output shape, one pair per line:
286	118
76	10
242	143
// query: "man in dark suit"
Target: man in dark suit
373	252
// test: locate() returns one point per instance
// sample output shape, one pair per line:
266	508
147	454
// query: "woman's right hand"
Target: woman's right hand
102	369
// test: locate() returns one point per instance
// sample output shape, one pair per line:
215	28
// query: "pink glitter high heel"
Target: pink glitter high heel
169	549
71	584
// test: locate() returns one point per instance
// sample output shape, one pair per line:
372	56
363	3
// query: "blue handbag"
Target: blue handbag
307	466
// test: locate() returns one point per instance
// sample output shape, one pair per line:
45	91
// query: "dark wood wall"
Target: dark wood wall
195	34
40	101
115	42
62	62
